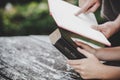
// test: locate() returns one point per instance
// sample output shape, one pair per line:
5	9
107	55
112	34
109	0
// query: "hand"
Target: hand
86	47
89	6
88	68
108	28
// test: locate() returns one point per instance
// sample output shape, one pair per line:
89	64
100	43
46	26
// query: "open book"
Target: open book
76	27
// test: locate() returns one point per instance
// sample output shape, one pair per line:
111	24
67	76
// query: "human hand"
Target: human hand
86	47
88	68
108	28
89	6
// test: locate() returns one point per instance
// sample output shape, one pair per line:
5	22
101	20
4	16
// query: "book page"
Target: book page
64	15
71	37
66	9
88	42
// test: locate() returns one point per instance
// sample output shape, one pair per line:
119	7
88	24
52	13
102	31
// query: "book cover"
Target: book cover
65	45
64	15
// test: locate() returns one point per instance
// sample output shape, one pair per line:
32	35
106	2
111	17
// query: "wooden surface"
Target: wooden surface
32	58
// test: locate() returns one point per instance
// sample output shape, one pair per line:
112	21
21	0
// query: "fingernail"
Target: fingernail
76	41
68	61
78	48
76	14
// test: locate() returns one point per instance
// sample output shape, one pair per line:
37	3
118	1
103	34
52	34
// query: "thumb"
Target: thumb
78	13
95	27
83	9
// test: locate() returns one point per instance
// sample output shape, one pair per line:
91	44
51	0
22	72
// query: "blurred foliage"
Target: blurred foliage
31	18
75	2
98	16
28	17
21	2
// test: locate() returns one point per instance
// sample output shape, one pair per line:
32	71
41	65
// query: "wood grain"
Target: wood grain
30	58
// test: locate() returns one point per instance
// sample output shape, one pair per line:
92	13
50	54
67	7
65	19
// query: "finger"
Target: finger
86	47
95	27
98	28
87	54
105	34
78	71
73	62
83	9
93	8
101	28
81	73
76	67
83	45
79	12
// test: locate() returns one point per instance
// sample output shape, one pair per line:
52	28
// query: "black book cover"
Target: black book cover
65	44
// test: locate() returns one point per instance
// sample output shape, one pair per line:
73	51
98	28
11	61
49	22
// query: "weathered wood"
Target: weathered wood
30	58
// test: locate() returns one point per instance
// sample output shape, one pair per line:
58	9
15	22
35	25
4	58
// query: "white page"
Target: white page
64	15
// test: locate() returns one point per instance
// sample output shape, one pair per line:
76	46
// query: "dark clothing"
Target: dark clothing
110	9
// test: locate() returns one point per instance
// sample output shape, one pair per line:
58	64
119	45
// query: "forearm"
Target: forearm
108	54
117	23
111	72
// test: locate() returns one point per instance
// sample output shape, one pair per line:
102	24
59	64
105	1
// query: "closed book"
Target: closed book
65	45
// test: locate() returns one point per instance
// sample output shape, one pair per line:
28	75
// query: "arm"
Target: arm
91	68
117	21
111	72
107	54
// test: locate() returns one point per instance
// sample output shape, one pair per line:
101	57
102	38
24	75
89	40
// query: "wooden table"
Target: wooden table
32	58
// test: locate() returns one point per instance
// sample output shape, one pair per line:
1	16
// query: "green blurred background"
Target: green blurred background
28	17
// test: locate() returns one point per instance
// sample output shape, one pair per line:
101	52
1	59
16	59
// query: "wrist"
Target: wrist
101	54
105	74
116	25
98	53
110	72
102	71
